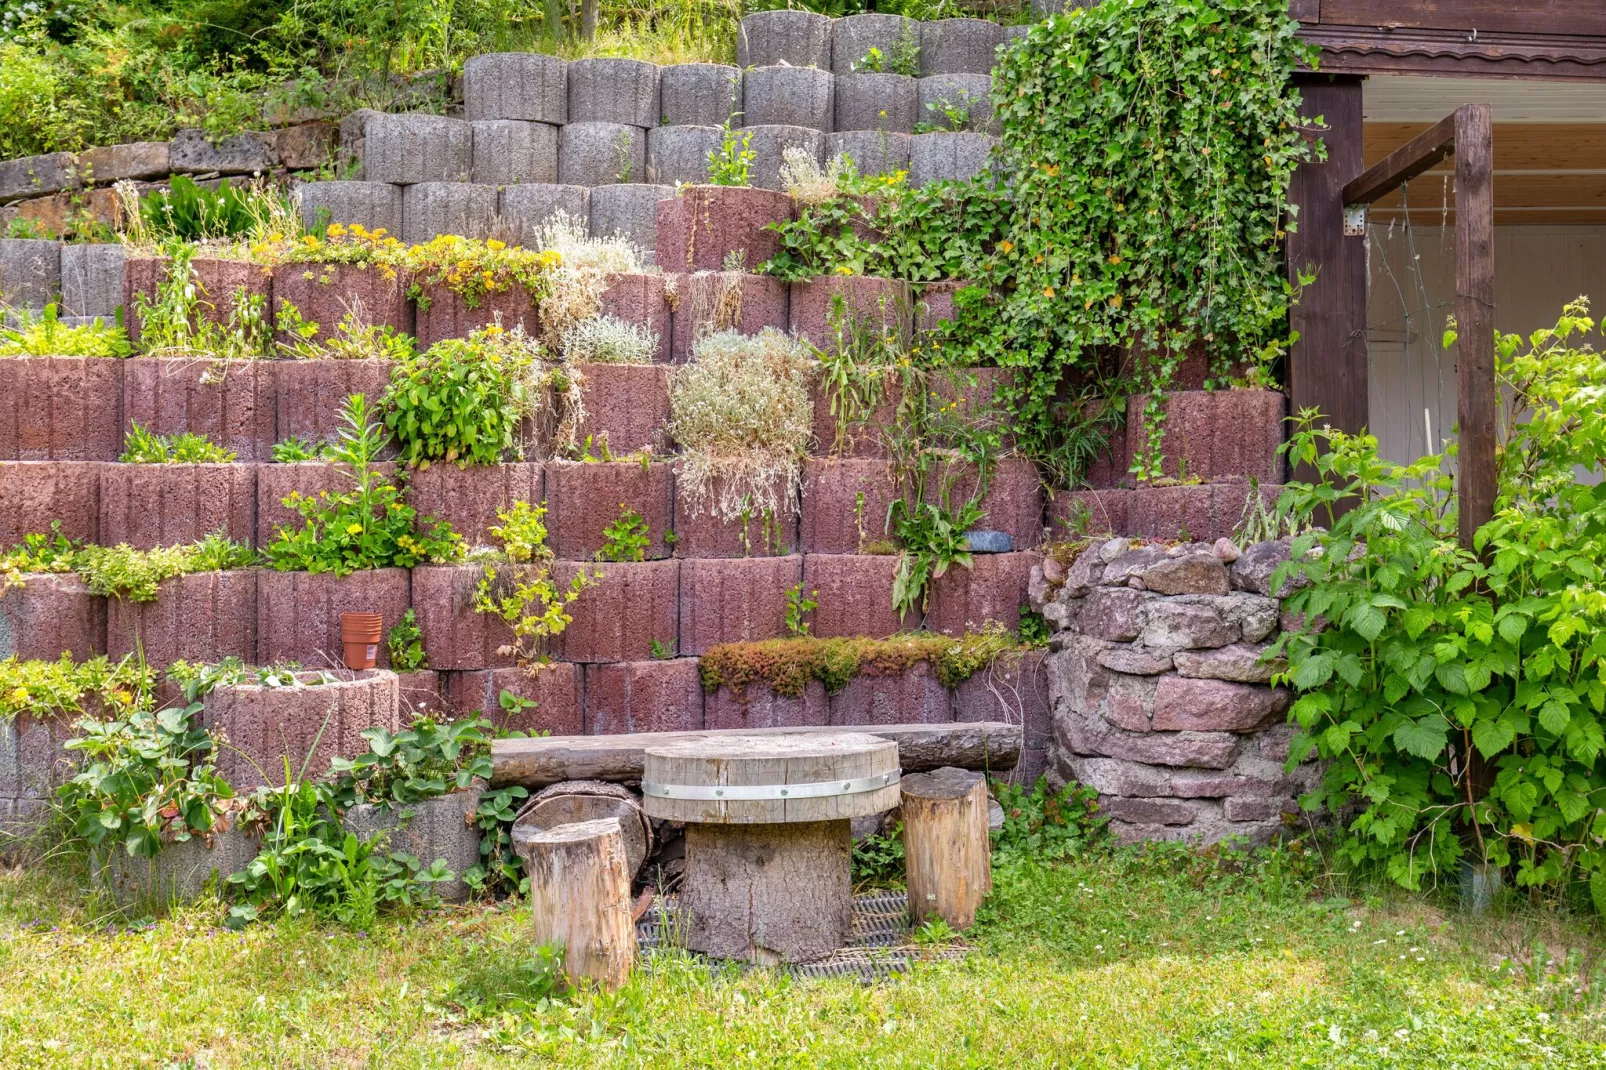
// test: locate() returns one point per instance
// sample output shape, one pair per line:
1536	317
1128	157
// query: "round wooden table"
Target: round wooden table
768	837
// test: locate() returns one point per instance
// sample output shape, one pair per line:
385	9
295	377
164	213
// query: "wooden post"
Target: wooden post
580	897
1474	316
947	855
574	801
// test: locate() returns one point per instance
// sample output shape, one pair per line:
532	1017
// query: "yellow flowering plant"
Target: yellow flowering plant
472	268
523	595
342	243
67	688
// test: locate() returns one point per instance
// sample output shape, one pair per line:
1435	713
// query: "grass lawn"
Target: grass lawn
1119	959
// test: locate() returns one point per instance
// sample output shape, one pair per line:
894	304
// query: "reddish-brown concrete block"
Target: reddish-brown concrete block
230	402
934	305
710	301
298	613
49	615
35	493
619	617
310	395
203	616
149	505
61	409
643	696
970	398
470	498
308	725
756	706
325	294
1075	513
444	314
420	693
877	305
1013	502
583	499
855	594
703	225
219	285
860	434
699	532
734	601
640	298
910	697
1189	513
845	505
1216	435
1110	467
1014	689
626	405
554	689
455	636
275	482
993	588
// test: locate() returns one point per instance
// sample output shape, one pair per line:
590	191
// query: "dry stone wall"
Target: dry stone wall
1160	687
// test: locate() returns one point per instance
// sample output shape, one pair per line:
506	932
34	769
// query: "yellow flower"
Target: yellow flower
495	246
19	697
1115	258
336	230
1048	291
844	269
1006	246
353	529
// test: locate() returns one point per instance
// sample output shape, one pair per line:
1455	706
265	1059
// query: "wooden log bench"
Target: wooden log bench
987	746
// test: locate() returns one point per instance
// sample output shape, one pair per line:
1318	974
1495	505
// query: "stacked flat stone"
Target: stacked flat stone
1160	688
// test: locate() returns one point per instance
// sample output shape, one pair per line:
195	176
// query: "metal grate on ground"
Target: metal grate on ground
878	948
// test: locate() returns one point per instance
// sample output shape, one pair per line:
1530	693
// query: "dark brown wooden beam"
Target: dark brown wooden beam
1474	315
1417	156
1571	17
1327	364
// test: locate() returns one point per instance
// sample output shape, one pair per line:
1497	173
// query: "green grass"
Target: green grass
1118	960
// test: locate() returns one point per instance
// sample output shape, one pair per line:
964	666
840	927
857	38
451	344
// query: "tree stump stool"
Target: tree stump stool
580	897
575	801
768	836
947	851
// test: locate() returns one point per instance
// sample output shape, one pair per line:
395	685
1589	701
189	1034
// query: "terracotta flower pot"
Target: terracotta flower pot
359	635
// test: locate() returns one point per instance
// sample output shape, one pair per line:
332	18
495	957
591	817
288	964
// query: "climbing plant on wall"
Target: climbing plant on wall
1149	146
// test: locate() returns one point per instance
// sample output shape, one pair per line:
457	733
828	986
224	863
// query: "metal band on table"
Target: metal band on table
819	789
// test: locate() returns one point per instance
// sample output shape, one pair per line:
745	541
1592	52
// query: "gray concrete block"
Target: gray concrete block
876	102
527	208
798	38
516	85
968	95
613	91
959	46
434	828
873	152
853	37
243	154
91	280
430	209
789	96
631	210
699	94
411	147
768	144
180	871
512	150
935	157
680	153
35	176
600	154
1015	33
374	205
30	272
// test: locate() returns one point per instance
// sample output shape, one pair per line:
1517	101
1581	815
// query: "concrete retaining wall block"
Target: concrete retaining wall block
845	504
855	594
957	156
410	148
180	872
199	617
516	85
150	505
757	706
218	282
699	94
699	532
308	724
298	613
1218	435
585	498
614	91
91	280
968	97
440	828
959	46
600	154
640	298
511	150
993	588
626	404
876	102
788	96
680	153
912	696
430	209
310	394
556	690
49	615
734	601
769	145
621	616
527	207
34	493
61	409
880	304
704	225
711	301
854	36
135	160
629	209
470	498
874	152
375	205
231	403
643	696
455	636
30	272
443	313
325	294
798	38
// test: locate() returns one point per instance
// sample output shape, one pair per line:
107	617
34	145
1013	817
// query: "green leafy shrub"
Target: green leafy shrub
294	450
353	338
731	163
933	540
463	400
132	575
38	553
523	594
425	760
44	335
189	212
626	538
64	687
172	324
1457	692
368	526
405	641
1046	824
142	446
877	860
